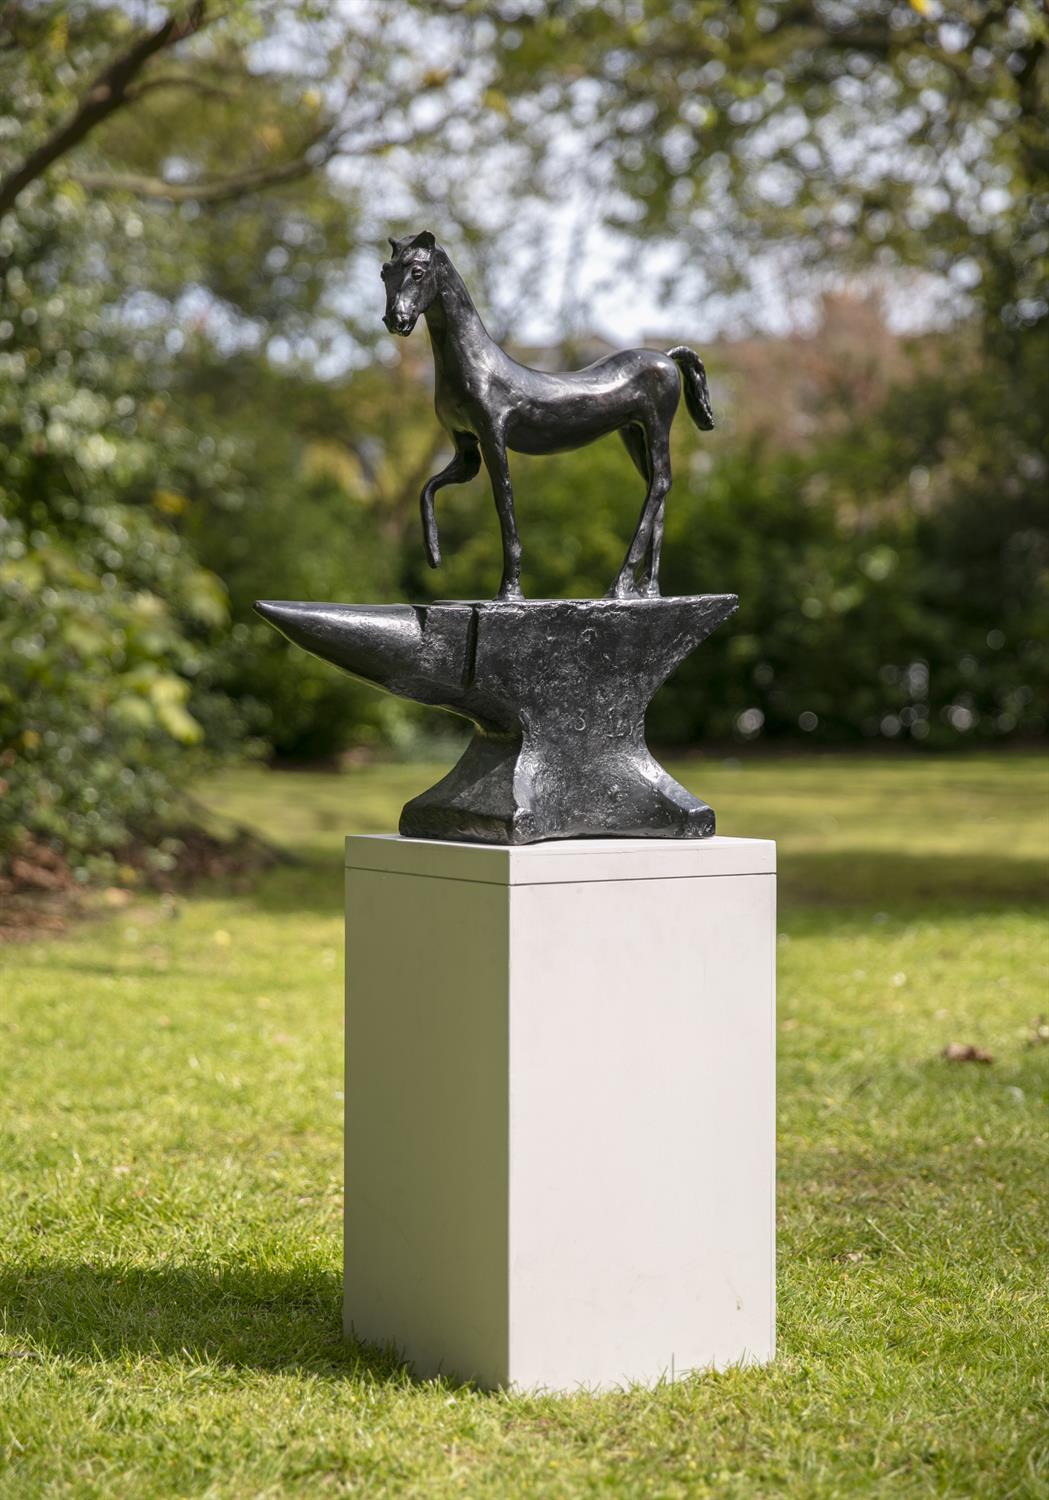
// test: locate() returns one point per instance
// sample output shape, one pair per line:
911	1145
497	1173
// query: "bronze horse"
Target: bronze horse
488	403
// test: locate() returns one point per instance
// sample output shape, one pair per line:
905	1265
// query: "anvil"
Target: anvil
557	692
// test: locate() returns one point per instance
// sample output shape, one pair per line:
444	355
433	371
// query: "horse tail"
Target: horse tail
694	379
433	545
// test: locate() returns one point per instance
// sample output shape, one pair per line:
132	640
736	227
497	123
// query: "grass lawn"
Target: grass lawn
170	1179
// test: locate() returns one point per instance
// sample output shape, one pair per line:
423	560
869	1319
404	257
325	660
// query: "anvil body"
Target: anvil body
557	691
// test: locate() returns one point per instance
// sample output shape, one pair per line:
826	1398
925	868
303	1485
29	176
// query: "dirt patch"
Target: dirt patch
38	891
957	1052
41	896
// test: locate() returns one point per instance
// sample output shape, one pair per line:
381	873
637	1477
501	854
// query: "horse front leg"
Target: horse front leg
493	449
462	468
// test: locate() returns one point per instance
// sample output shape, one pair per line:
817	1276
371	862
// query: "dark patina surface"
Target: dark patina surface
557	691
489	404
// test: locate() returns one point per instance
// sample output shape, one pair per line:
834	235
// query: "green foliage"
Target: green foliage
845	132
177	264
125	668
107	623
94	715
324	550
319	514
892	578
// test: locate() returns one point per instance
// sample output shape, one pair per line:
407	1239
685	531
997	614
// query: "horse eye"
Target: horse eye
417	274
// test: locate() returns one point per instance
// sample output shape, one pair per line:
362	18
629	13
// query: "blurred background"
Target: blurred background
840	203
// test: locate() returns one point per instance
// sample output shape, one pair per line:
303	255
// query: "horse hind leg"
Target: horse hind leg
637	447
634	442
650	450
649	581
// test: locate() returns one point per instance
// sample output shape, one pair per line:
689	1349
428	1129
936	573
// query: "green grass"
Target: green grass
170	1180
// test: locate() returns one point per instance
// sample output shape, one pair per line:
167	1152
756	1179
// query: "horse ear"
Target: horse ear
424	241
393	243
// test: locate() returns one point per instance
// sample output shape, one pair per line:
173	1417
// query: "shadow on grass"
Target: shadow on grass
903	881
69	961
316	887
909	882
241	1317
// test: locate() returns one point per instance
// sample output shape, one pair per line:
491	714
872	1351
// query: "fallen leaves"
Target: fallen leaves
959	1052
46	870
1038	1034
38	891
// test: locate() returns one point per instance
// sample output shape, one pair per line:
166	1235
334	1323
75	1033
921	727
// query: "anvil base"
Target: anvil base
557	690
500	793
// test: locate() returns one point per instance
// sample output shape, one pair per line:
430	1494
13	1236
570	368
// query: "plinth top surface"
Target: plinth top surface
561	861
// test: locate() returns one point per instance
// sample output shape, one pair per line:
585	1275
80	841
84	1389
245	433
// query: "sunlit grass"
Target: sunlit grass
171	1169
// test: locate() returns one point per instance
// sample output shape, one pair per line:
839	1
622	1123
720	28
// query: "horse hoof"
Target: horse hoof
622	590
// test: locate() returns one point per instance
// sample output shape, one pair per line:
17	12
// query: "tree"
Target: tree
191	200
234	66
880	133
110	630
164	185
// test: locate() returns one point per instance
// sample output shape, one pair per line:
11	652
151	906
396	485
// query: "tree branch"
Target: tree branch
108	93
176	81
236	185
210	190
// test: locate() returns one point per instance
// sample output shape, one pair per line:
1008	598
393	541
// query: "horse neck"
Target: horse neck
458	335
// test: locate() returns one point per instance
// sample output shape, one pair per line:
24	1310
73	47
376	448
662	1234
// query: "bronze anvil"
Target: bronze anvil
557	691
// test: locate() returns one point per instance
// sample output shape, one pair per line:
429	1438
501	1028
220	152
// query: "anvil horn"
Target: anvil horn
558	691
416	653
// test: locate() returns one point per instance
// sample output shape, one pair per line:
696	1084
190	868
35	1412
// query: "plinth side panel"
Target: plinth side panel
642	1145
426	1120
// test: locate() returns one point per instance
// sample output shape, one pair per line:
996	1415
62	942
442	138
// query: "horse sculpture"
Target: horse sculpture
488	403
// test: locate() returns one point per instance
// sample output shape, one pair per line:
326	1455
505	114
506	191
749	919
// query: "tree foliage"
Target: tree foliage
108	624
193	389
165	211
846	132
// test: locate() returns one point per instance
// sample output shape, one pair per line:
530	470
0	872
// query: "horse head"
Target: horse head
410	276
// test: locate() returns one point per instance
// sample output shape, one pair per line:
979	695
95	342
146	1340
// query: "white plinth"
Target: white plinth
560	1139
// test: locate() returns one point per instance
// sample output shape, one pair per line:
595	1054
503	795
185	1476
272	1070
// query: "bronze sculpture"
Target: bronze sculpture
556	689
488	403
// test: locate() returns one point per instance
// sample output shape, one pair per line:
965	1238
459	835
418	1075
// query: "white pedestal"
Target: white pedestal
560	1136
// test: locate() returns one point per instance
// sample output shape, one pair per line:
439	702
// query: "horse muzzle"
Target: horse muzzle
400	325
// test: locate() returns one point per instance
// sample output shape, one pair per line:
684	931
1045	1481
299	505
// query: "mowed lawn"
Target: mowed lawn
171	1177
